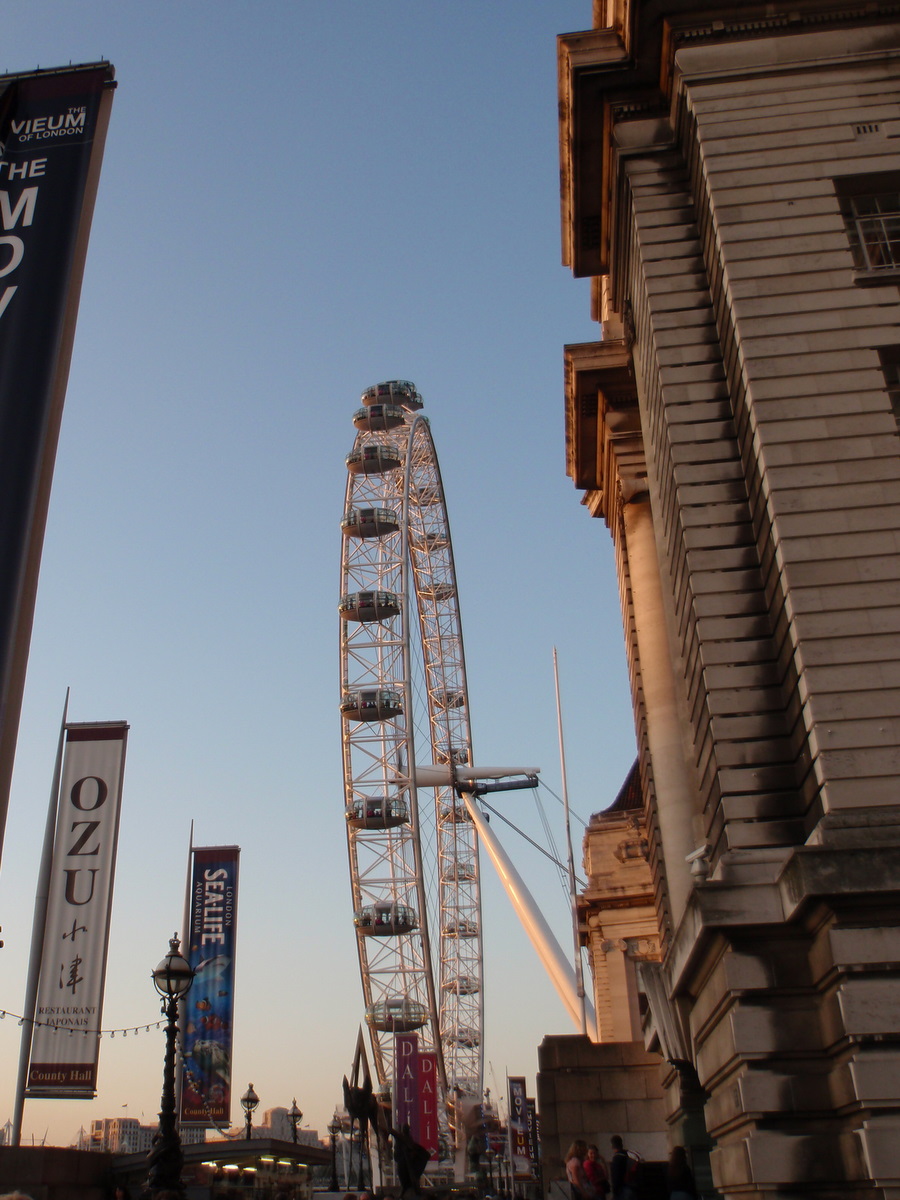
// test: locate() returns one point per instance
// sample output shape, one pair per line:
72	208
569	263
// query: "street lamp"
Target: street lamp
249	1102
172	980
489	1156
334	1129
295	1116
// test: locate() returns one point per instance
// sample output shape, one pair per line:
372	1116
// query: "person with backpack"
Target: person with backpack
623	1171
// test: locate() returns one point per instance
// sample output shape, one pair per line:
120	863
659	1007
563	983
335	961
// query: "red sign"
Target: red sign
416	1091
428	1103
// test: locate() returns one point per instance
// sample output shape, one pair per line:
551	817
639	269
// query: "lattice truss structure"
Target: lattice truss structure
413	851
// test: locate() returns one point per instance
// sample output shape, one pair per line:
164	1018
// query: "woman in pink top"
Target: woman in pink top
596	1171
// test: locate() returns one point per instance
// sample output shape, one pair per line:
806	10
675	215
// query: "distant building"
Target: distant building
120	1135
126	1135
276	1124
730	183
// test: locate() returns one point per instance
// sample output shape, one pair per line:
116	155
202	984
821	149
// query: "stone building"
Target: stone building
593	1090
730	182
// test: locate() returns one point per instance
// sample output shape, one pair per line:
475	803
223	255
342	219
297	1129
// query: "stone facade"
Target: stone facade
731	184
617	916
590	1090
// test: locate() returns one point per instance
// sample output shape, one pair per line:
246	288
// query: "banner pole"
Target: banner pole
573	899
41	897
185	937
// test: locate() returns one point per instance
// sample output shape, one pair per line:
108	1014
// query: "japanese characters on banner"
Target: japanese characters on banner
52	128
416	1091
209	1006
519	1149
66	1043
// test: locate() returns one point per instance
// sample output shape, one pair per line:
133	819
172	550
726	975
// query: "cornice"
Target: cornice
759	21
580	137
606	76
604	445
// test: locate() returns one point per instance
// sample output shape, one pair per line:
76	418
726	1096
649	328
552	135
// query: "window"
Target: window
870	205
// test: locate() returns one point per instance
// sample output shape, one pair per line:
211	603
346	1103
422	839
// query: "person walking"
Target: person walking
679	1177
621	1168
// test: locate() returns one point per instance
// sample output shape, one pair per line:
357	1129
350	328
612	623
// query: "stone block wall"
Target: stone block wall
592	1091
53	1173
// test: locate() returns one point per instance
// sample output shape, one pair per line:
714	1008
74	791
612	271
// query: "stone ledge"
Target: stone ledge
815	873
811	873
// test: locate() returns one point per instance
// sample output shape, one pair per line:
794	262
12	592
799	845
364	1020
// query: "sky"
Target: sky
299	200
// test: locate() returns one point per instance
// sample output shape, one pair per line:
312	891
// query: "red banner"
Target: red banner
416	1091
428	1102
406	1083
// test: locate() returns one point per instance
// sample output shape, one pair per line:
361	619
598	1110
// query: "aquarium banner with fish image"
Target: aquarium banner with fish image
209	1005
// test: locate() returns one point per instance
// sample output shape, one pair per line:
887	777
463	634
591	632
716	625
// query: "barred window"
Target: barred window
870	205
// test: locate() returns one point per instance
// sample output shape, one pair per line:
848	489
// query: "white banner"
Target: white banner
66	1042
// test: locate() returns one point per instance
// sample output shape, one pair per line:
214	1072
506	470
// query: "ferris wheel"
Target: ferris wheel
413	845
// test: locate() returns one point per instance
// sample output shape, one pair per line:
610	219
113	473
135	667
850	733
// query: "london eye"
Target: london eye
413	846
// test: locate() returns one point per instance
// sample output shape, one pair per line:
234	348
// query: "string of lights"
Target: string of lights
134	1030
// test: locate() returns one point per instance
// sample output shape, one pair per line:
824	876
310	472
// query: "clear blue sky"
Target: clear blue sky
299	200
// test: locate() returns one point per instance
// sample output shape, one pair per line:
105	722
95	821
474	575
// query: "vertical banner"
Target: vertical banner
416	1091
209	1005
534	1139
428	1102
519	1154
76	930
406	1083
52	129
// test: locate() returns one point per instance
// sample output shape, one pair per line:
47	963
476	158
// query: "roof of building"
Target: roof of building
630	795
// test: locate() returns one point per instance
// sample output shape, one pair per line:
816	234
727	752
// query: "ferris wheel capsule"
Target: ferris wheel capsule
396	391
376	417
369	522
372	459
372	704
369	606
377	812
385	919
397	1014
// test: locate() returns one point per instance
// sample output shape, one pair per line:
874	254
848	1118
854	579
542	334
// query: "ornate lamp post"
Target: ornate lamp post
249	1102
489	1157
172	980
295	1116
334	1129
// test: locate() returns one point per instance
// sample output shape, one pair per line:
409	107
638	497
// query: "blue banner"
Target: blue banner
209	1005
